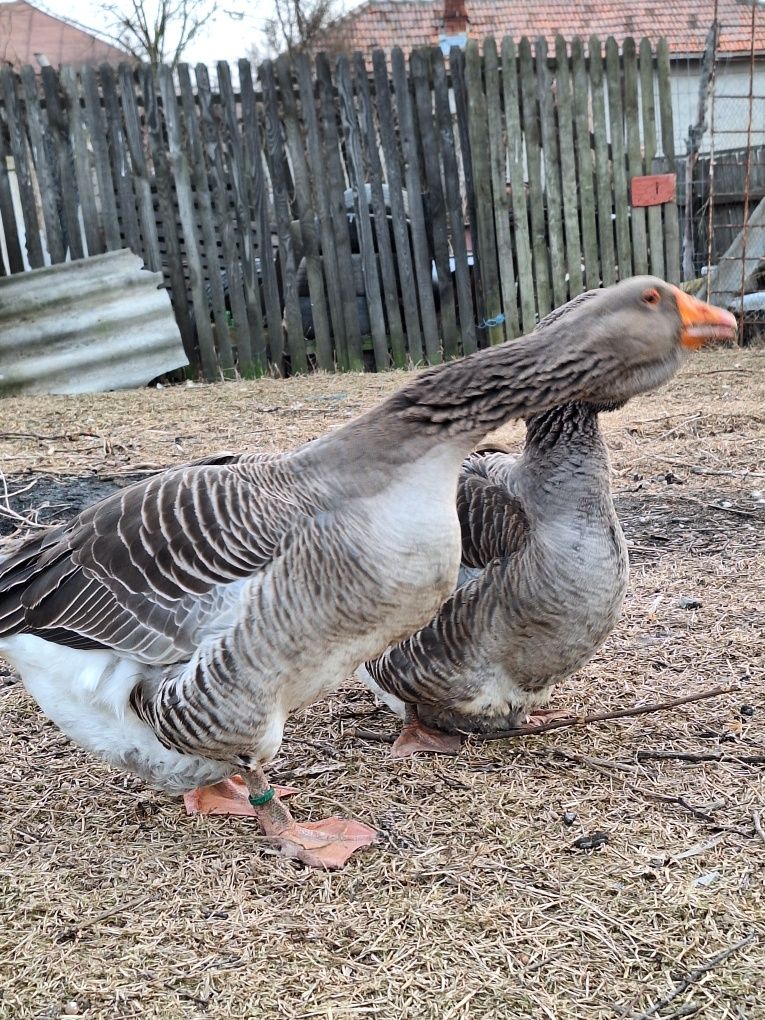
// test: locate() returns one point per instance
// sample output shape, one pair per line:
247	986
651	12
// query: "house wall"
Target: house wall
728	114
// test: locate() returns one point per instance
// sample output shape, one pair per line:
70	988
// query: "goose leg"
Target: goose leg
228	797
325	844
417	738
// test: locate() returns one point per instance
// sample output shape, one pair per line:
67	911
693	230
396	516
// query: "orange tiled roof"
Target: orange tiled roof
683	23
25	31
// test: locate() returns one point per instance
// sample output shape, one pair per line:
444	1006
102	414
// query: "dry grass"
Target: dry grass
476	903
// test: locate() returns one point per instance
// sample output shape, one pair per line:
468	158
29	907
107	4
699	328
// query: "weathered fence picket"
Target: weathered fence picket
322	215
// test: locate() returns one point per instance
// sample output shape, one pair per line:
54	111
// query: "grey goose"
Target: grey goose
543	577
172	627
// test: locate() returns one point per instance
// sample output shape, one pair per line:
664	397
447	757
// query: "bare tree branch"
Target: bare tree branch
302	25
157	31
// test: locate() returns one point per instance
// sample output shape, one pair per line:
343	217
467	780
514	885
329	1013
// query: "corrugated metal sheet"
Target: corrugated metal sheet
101	323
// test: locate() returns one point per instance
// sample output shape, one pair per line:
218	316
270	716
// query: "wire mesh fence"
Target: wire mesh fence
720	126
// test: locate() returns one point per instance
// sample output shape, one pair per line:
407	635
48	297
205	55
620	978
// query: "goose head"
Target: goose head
632	337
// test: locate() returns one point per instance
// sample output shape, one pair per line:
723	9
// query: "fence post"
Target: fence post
602	169
568	167
671	214
518	185
501	202
480	154
618	158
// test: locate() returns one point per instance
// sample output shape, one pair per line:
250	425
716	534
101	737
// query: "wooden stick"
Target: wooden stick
583	720
693	756
88	922
694	976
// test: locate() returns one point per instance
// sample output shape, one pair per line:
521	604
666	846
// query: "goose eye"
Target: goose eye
650	296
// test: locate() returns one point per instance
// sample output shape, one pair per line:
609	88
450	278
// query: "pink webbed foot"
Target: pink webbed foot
325	844
228	797
545	715
415	738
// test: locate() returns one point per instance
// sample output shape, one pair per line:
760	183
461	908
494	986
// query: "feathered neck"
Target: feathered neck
571	424
468	398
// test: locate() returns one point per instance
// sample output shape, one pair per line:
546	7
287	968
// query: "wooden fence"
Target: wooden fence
349	216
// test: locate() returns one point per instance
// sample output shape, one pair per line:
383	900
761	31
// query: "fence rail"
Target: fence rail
336	217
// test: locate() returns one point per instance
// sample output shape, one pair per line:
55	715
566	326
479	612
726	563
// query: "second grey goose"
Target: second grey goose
172	627
543	578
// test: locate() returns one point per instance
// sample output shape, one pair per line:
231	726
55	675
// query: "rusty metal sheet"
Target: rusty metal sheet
100	323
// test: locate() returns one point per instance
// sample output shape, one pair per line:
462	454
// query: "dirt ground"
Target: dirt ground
481	899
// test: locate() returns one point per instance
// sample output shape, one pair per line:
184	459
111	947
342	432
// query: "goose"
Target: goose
173	626
542	580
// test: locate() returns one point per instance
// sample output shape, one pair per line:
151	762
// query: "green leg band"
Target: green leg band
263	798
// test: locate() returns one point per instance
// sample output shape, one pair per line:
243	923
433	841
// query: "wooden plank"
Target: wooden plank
363	219
434	196
8	213
173	266
316	170
126	201
23	170
47	184
262	252
634	158
96	127
399	215
420	248
670	212
484	245
584	166
554	198
138	169
459	89
655	231
454	204
185	198
94	238
351	356
501	198
605	202
252	355
385	250
618	159
213	147
569	187
209	235
307	213
280	180
245	297
534	165
59	139
518	185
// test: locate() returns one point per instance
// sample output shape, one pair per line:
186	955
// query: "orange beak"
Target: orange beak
703	323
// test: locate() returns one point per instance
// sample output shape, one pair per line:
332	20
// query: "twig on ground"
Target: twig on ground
697	756
693	976
601	764
118	908
374	735
758	828
584	720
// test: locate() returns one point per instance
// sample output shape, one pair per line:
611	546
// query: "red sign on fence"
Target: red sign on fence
653	189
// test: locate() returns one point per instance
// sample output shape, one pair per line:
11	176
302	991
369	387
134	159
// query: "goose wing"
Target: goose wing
492	518
154	568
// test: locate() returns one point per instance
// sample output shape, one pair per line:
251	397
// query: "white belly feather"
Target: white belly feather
86	694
